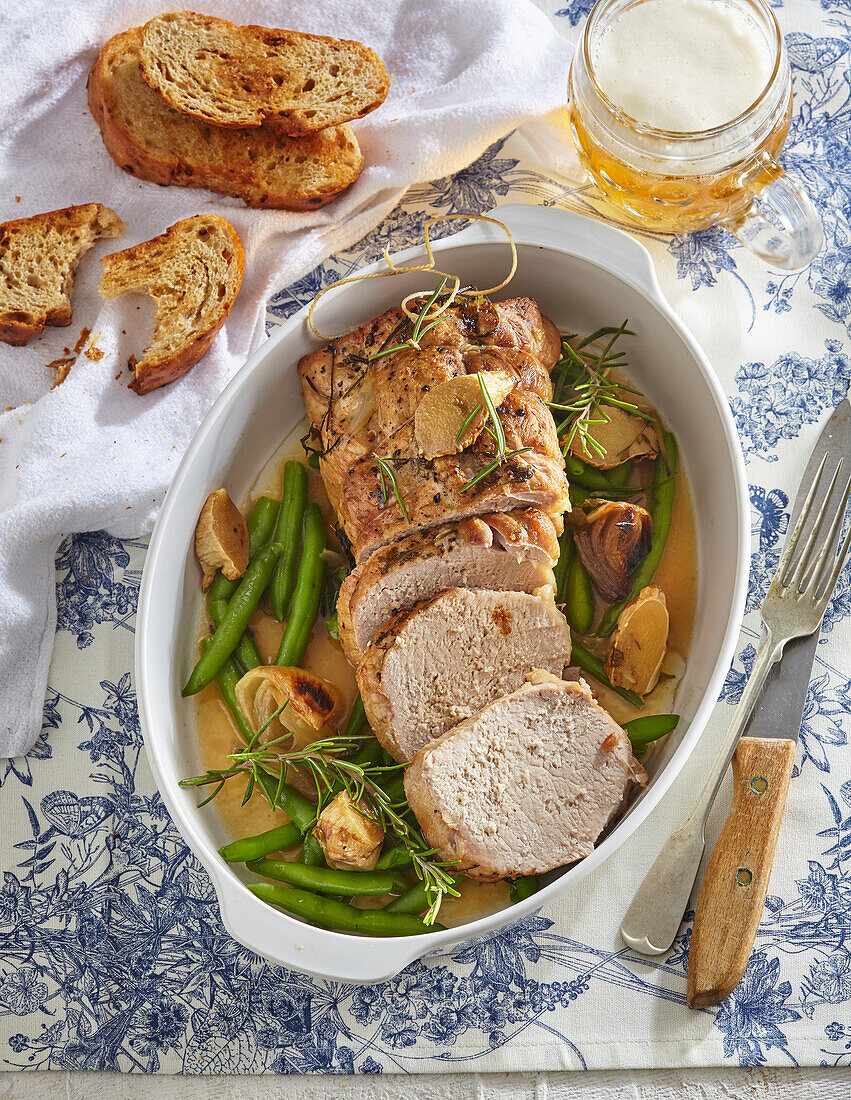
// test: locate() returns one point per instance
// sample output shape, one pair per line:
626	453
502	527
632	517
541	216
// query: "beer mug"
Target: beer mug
681	179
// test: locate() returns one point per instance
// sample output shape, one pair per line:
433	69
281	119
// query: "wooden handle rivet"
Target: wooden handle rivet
759	784
744	877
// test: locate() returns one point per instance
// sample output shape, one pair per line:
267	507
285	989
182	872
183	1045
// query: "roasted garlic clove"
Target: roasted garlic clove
221	538
346	836
621	435
639	642
311	704
612	537
448	407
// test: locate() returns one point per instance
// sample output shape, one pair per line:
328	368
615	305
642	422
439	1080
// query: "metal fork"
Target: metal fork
793	608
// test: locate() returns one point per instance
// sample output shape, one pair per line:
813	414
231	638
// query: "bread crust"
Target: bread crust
149	375
95	221
226	168
260	66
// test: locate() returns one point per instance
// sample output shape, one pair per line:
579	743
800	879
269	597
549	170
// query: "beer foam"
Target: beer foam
683	65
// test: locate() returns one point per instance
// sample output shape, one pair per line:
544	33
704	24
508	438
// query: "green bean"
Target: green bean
327	880
311	852
566	550
331	913
399	856
579	473
357	718
644	730
414	900
579	597
298	809
260	525
619	475
577	496
586	660
664	491
523	888
288	534
227	678
246	652
308	589
264	844
232	627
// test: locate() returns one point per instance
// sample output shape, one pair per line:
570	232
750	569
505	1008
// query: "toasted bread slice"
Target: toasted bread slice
193	273
151	141
250	76
38	258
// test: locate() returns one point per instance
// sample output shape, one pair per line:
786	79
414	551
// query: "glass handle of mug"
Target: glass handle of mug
781	225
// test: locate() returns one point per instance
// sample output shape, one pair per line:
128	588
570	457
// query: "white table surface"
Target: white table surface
691	1084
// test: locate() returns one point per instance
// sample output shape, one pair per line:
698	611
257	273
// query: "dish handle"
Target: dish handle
288	942
578	235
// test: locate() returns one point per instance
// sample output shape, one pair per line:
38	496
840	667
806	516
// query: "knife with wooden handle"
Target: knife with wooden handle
732	895
733	892
736	881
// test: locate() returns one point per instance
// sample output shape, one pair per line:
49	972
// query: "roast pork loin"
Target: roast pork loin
525	785
446	658
510	551
363	405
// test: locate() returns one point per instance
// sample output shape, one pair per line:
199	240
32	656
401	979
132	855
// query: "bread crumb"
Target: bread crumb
17	198
84	335
62	367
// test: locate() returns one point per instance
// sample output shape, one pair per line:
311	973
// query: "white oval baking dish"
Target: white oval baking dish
584	274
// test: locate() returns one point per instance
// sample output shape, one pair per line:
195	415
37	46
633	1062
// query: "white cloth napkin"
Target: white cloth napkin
91	454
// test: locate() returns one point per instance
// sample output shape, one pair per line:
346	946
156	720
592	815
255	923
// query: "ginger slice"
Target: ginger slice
221	539
639	642
452	416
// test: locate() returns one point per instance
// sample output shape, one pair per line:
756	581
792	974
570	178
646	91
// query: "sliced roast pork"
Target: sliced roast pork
362	400
527	784
512	551
446	658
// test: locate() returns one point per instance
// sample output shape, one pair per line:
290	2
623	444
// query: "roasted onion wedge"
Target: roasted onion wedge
311	704
612	537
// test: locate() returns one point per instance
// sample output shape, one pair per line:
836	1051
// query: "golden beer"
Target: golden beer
676	181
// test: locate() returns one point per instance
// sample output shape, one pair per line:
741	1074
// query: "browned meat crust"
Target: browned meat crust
363	409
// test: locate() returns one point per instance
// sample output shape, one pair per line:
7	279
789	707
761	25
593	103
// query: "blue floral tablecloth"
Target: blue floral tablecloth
112	953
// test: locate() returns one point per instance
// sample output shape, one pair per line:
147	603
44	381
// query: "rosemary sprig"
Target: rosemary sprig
583	390
489	469
386	473
329	764
498	430
467	423
418	330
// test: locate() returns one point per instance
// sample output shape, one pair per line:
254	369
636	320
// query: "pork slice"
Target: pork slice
527	784
514	552
446	658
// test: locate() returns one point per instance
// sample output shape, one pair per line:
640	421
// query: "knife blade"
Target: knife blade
733	892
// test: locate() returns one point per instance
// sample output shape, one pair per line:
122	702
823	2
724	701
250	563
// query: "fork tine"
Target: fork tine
802	561
792	542
815	574
824	591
